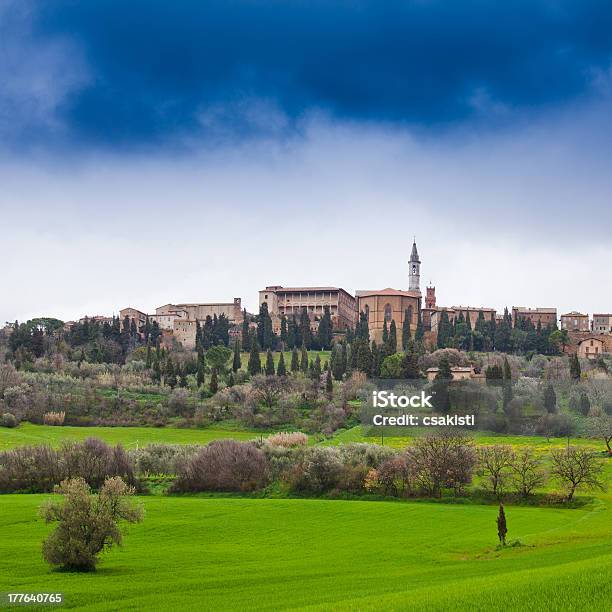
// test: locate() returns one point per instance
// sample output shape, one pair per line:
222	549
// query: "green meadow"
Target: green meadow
29	434
240	553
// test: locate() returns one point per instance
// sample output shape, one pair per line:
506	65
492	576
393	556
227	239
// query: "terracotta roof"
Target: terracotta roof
390	292
574	314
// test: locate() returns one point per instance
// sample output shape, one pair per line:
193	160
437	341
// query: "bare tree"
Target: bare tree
495	465
443	460
600	427
268	389
576	467
527	472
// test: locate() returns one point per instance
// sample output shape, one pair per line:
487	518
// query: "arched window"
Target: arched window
388	312
367	312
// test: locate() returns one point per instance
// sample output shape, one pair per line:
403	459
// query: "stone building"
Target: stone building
291	301
199	311
185	332
473	312
591	347
139	317
430	307
575	321
602	323
545	316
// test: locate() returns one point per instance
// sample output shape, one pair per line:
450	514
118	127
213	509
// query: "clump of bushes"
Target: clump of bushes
38	469
224	465
288	439
54	418
8	420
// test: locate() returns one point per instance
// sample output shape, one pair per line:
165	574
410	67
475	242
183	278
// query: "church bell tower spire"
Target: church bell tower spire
415	269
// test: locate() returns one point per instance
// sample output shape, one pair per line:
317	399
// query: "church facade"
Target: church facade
386	305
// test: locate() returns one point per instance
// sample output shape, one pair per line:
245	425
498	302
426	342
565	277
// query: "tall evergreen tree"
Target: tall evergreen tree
200	377
316	368
281	370
376	359
170	373
406	333
575	370
245	328
304	361
392	341
254	365
329	383
305	335
284	333
214	381
269	363
295	362
237	361
324	333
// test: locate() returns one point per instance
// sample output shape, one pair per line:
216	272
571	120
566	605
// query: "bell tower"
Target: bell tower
415	269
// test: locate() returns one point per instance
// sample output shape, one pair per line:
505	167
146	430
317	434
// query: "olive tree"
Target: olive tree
87	524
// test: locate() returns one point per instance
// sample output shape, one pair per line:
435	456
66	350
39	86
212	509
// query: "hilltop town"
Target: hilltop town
418	316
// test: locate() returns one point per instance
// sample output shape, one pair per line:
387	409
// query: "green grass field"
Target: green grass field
235	553
356	434
30	434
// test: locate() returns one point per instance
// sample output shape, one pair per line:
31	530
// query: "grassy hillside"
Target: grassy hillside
233	553
27	433
355	434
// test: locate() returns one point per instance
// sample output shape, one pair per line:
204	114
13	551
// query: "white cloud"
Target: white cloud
514	217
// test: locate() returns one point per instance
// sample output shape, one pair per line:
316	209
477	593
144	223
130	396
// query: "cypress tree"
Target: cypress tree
214	382
269	363
245	328
170	373
156	370
295	361
502	528
410	364
406	334
304	361
363	359
284	332
376	359
329	383
316	370
200	378
550	400
419	333
148	361
254	366
237	361
385	333
281	370
575	370
392	341
230	380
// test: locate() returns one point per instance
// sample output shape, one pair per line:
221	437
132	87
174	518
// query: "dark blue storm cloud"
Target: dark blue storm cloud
158	70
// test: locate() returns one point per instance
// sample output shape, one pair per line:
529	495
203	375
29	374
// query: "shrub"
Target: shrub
395	476
30	468
224	465
8	420
54	418
161	458
87	524
95	461
319	471
369	455
293	438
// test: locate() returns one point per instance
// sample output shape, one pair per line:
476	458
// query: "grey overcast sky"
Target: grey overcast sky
196	154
